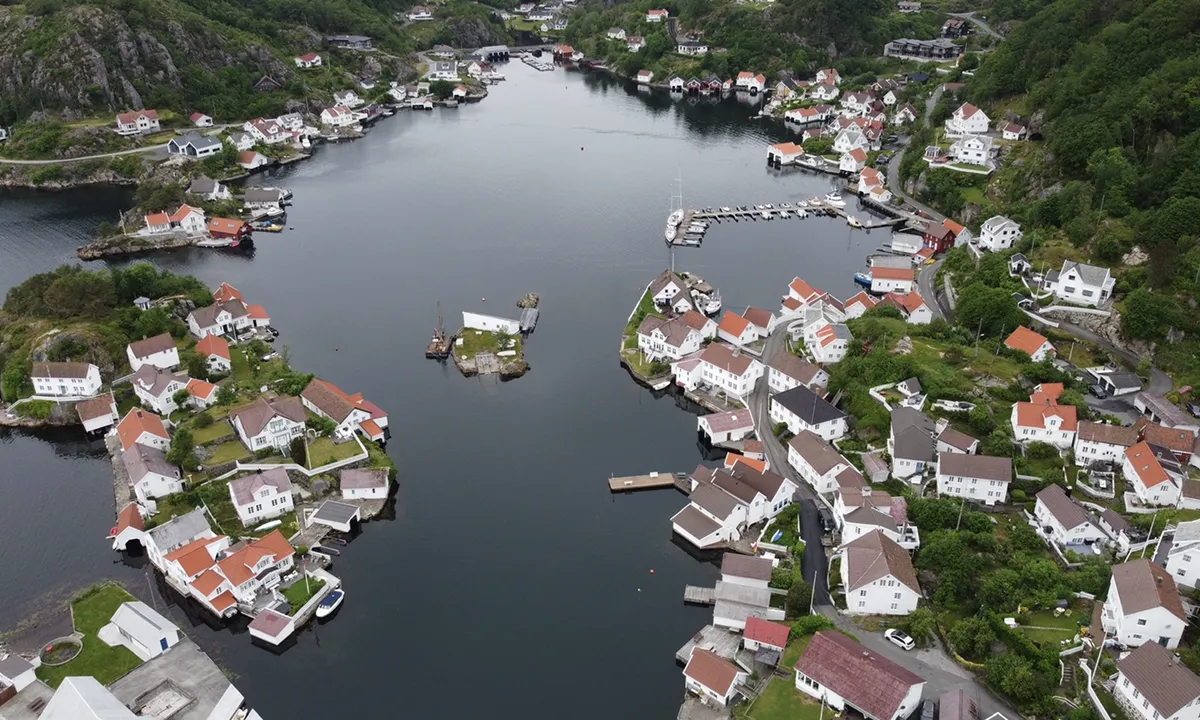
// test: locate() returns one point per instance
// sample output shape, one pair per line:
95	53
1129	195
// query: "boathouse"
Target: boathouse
337	515
493	53
787	153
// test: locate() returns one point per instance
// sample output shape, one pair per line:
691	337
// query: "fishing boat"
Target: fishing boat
331	603
439	344
853	221
266	226
863	278
834	198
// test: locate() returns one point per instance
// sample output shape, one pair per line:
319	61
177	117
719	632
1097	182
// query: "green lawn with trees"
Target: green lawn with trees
91	610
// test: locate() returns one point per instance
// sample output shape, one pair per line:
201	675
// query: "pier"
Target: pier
653	481
795	211
693	595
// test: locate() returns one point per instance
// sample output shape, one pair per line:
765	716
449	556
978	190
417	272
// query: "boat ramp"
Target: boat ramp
653	481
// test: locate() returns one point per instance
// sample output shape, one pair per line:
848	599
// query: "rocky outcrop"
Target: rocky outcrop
129	244
473	32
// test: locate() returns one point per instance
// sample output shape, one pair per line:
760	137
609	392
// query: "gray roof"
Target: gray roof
14	665
819	454
180	531
752	567
142	622
149	346
203	185
1121	380
958	705
336	512
984	467
912	386
743	594
156	381
141	460
1052	276
899	262
76	370
262	195
912	433
797	368
84	698
255	416
807	405
362	478
695	522
956	439
1090	274
1162	679
716	502
246	488
1065	510
1166	411
196	140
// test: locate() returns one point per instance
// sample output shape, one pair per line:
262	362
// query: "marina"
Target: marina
689	228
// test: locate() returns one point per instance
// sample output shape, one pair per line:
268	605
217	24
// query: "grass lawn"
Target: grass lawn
241	366
216	497
972	195
322	451
1052	637
176	505
228	452
639	364
795	649
644	307
477	341
298	593
1066	621
212	433
92	611
780	701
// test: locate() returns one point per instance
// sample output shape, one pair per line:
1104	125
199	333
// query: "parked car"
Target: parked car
1099	391
1194	409
269	356
928	710
899	639
271	329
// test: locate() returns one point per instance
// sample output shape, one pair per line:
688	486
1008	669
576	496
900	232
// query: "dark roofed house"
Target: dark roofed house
1153	683
958	705
711	677
910	442
745	569
846	675
1063	520
980	478
873	557
269	423
802	409
816	460
1143	606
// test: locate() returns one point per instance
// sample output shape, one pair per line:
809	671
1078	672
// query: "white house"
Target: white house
729	371
490	323
998	233
267	132
194	145
364	484
1143	606
1013	131
261	496
229	317
950	440
142	629
761	634
967	120
16	673
1063	521
644	77
786	371
209	189
830	343
886	278
736	330
347	98
1183	555
818	462
853	161
145	428
878	576
338	116
1148	478
350	412
634	43
802	409
973	150
660	339
269	423
150	474
910	443
159	351
616	34
729	426
420	13
844	674
711	517
979	478
241	141
1101	442
65	379
914	308
1044	420
1152	684
307	60
1080	284
156	388
824	91
692	48
850	138
215	351
656	16
137	122
904	114
201	394
709	676
97	413
859	304
1033	344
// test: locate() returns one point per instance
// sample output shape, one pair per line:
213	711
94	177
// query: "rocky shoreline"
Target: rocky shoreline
129	244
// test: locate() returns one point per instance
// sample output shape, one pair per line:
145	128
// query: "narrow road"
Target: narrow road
927	287
893	171
815	564
135	151
970	17
1160	382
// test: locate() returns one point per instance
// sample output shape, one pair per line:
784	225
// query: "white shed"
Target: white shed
490	323
140	628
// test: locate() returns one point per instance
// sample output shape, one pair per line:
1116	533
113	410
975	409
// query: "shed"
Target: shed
271	626
142	629
337	515
364	484
876	469
16	672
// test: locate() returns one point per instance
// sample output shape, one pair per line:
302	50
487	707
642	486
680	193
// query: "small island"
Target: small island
490	345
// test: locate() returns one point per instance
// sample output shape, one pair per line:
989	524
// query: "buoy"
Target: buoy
651	571
336	349
483	300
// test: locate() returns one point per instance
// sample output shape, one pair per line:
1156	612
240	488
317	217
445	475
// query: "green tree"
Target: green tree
921	624
799	598
183	450
990	311
226	395
971	637
298	450
441	89
180	397
1014	676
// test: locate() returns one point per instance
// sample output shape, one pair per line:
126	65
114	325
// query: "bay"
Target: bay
510	583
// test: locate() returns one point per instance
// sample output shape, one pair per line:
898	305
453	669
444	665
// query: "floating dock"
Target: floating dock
653	481
693	595
681	238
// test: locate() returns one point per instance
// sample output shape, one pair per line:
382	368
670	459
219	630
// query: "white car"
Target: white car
899	639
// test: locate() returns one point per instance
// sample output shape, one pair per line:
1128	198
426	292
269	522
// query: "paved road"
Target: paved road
1160	383
816	565
893	171
927	287
940	672
970	16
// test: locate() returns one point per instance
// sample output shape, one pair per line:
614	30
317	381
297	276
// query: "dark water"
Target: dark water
510	584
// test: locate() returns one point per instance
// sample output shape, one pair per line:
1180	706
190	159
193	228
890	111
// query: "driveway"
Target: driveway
816	565
940	672
1160	383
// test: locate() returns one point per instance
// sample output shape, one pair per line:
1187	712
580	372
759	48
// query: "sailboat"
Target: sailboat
439	344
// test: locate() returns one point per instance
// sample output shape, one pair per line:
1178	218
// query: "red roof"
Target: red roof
208	581
309	57
733	458
791	303
953	226
711	671
257	312
227	292
767	632
223	602
887	273
806	292
197	116
858	154
968	110
138	422
866	680
788	148
158	218
201	389
129	517
133	115
371	429
1025	340
213	345
1146	465
864	299
1034	415
733	324
194	557
226	226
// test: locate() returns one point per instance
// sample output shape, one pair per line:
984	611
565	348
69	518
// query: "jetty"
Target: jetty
693	595
653	481
684	238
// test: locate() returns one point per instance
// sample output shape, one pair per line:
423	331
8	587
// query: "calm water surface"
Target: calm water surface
510	583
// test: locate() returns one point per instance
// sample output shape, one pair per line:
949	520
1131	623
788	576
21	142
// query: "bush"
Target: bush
35	409
1041	451
203	420
810	625
298	450
780	429
264	453
1019	495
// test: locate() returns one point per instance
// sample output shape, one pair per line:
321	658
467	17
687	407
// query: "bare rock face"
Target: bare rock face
471	33
371	67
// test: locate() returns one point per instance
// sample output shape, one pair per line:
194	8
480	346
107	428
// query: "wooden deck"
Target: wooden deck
653	481
693	595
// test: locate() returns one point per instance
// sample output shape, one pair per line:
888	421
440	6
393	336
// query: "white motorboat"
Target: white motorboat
766	215
712	305
834	199
784	214
670	233
801	214
331	603
853	221
675	218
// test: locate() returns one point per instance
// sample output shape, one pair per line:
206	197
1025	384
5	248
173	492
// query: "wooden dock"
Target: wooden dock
754	214
693	595
653	481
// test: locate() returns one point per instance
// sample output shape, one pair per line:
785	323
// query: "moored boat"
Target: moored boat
863	278
331	603
835	199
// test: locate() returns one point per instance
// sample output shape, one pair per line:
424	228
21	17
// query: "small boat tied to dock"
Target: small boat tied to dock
439	344
331	603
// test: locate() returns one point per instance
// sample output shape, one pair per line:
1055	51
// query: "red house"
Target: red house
226	228
938	237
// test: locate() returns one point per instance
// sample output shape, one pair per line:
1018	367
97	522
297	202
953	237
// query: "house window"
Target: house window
1125	682
894	606
1187	558
862	593
896	596
862	603
1141	622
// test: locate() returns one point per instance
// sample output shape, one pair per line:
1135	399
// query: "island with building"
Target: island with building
491	345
